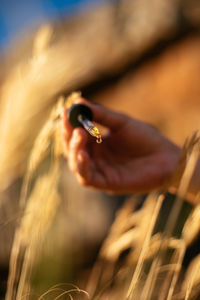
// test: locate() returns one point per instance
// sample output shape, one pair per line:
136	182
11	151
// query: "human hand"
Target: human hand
133	157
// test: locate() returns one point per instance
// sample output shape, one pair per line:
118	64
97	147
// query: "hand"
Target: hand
133	157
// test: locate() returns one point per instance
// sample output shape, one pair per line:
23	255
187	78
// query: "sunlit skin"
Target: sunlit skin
133	157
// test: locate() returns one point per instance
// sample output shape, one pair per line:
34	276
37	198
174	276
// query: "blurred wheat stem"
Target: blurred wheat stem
149	283
191	279
172	276
35	209
192	151
122	222
13	268
183	188
94	278
39	213
68	293
24	286
191	227
158	203
57	287
41	146
51	291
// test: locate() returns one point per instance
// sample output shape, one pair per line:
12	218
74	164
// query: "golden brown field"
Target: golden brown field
57	237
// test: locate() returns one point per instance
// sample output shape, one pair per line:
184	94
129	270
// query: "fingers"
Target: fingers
67	129
76	144
88	173
102	115
84	168
105	116
80	162
77	141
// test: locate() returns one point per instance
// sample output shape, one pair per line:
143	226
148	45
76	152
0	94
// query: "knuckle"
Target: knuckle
71	165
111	192
82	181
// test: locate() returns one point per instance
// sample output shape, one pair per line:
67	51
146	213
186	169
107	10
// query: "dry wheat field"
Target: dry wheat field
137	260
62	241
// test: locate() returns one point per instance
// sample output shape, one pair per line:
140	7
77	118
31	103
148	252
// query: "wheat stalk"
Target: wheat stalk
158	201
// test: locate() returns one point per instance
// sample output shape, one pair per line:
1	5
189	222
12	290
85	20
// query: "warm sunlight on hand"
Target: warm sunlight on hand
133	157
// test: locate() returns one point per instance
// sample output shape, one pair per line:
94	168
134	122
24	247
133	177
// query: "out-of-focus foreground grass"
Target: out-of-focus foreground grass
118	57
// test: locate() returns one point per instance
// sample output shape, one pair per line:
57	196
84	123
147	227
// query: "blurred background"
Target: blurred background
17	18
141	57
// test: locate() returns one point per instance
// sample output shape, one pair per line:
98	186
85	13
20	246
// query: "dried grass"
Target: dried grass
30	133
148	267
132	229
38	215
38	206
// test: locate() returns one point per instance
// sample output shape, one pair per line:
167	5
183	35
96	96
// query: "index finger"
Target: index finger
104	115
